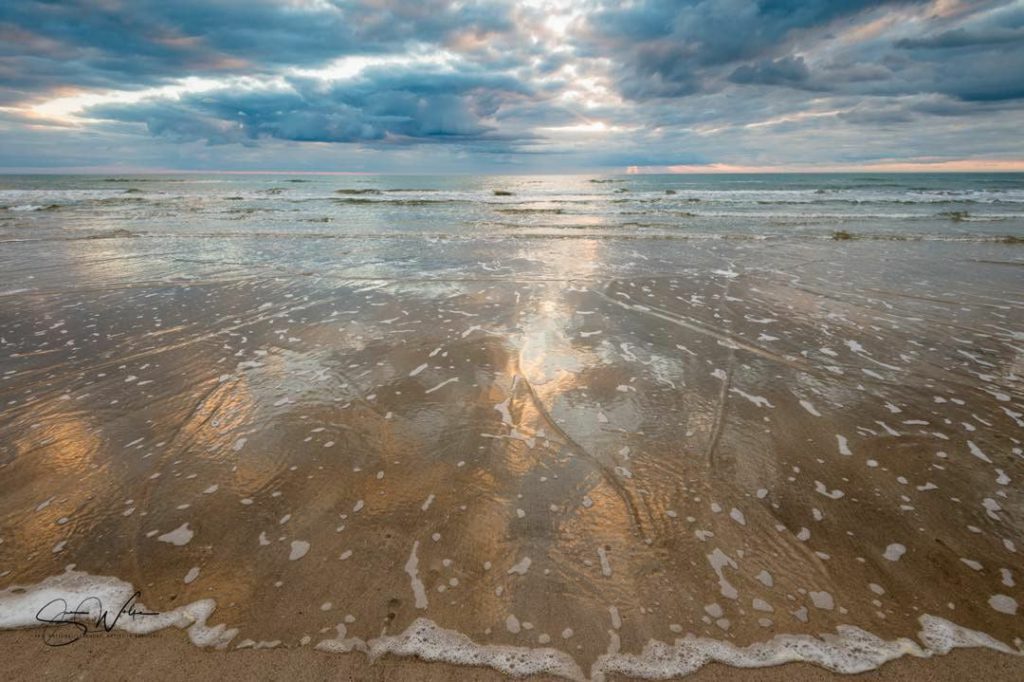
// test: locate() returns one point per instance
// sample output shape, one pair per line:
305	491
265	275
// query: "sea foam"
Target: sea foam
850	650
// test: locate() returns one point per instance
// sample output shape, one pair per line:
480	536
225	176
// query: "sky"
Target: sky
511	87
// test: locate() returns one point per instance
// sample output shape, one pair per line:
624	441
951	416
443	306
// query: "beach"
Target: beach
168	655
601	426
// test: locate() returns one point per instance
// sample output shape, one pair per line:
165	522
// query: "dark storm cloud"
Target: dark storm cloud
131	43
394	105
666	48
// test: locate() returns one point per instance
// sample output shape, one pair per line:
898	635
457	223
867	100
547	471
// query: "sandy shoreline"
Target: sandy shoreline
556	454
167	654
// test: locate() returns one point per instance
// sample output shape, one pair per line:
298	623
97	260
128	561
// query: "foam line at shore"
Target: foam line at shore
850	650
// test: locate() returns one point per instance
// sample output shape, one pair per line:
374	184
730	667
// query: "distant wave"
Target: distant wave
400	202
518	232
32	207
529	209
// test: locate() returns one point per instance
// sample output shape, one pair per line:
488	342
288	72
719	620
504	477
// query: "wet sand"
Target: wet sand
581	446
167	655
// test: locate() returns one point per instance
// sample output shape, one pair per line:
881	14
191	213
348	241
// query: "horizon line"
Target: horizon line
908	167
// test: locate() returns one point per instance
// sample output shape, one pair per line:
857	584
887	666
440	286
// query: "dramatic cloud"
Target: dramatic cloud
379	105
496	84
127	43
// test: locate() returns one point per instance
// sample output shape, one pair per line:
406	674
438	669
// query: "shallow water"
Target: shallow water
799	206
511	416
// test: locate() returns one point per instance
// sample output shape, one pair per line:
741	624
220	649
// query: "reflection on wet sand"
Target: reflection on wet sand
585	445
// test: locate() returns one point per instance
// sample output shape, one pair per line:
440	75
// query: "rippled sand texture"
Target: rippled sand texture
579	443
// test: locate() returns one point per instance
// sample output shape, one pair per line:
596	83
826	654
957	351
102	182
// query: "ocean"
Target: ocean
940	206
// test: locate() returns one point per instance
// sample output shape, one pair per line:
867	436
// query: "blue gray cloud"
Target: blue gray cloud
663	48
783	71
397	106
127	43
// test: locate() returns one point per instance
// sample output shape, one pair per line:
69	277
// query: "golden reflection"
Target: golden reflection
53	479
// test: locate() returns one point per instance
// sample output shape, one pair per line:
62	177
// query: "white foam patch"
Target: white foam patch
759	401
1003	604
429	642
341	644
851	650
181	535
809	406
606	566
412	568
522	566
822	489
79	591
503	409
940	637
977	452
719	560
894	551
822	600
441	385
844	445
